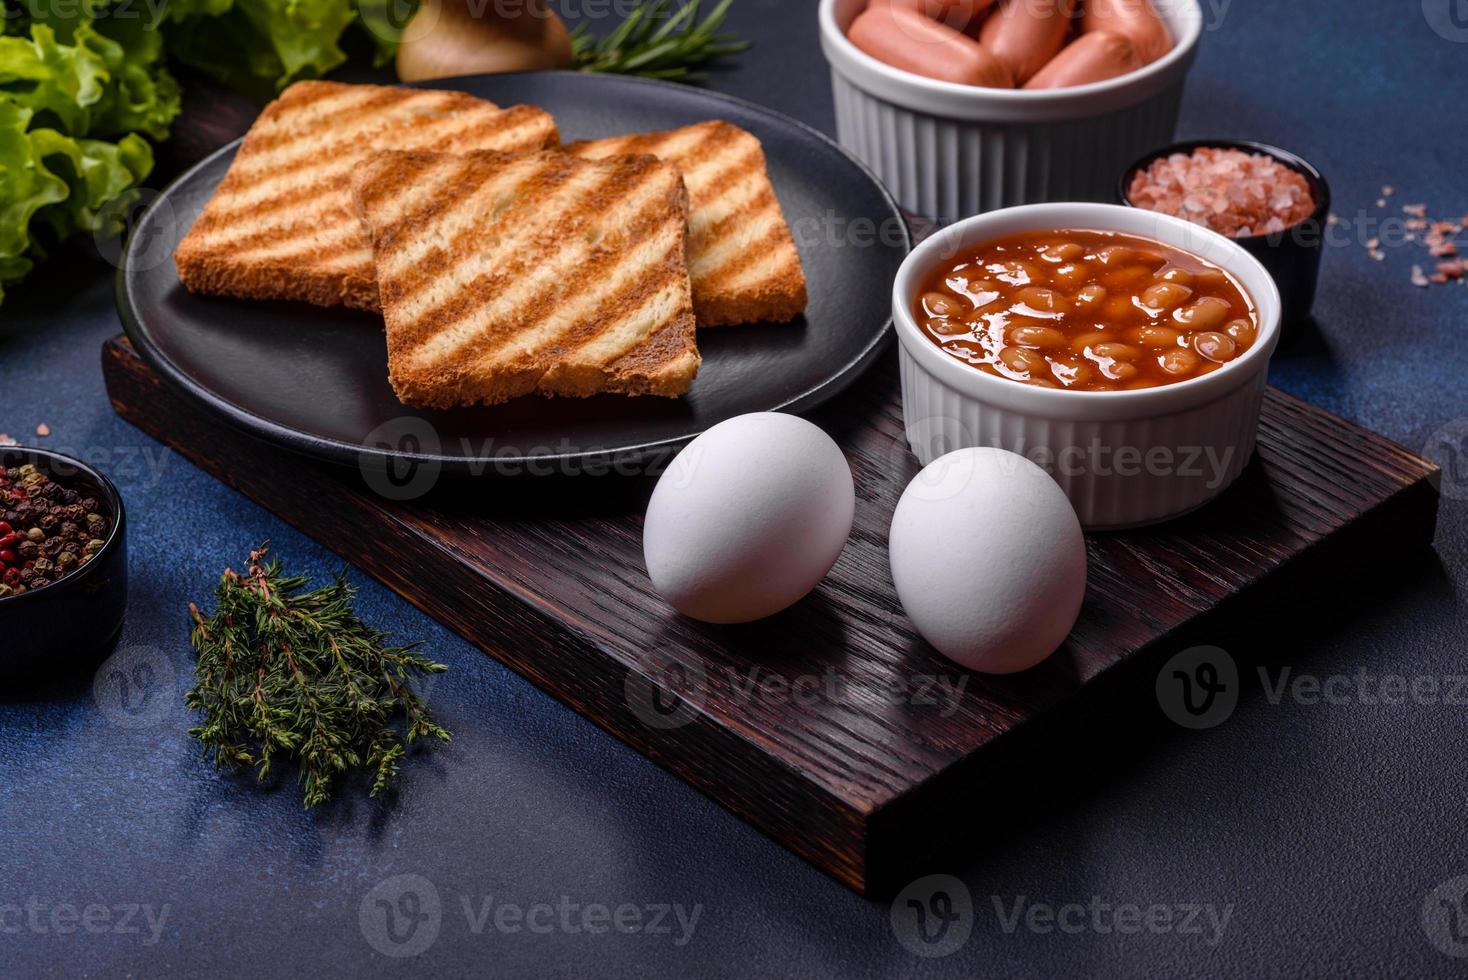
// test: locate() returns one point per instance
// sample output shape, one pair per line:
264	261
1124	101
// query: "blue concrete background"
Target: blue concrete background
1322	830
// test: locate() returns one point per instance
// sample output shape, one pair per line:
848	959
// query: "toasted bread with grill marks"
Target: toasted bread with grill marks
281	225
741	256
502	275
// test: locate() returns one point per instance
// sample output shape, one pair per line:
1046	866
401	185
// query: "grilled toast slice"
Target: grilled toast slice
502	275
741	256
281	225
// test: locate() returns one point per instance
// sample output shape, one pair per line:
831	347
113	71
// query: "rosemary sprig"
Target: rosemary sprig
641	45
283	670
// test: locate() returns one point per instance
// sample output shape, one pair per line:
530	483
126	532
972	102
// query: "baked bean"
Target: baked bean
1063	252
1178	362
1165	295
1071	373
1092	296
1024	360
967	350
1086	311
1072	275
1126	277
1115	352
1211	281
1081	343
1014	272
980	292
1039	301
1206	314
1045	338
1242	331
1215	346
1119	255
1119	310
942	304
944	327
1160	337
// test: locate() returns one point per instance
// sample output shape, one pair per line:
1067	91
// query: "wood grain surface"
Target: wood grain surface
832	727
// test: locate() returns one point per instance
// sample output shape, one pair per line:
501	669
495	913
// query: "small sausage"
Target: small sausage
1137	19
905	39
1025	34
961	15
1092	57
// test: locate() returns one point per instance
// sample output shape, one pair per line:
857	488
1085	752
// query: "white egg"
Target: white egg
988	559
748	518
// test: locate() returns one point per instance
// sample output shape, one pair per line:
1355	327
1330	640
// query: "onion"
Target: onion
472	37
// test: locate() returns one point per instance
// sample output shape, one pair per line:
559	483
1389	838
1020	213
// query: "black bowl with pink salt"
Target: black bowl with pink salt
1271	202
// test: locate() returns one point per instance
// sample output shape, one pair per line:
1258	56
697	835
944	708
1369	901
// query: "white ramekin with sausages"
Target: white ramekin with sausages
949	149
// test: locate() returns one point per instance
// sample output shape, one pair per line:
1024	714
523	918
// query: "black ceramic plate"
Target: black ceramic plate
315	380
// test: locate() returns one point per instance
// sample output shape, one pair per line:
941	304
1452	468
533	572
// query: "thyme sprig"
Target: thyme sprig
285	671
641	45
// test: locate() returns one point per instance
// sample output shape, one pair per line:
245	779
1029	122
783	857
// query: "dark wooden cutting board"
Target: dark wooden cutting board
832	727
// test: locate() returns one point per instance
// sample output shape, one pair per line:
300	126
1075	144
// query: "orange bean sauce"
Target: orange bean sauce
1086	311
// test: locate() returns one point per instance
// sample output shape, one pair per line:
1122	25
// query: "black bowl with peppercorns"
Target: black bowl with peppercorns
63	562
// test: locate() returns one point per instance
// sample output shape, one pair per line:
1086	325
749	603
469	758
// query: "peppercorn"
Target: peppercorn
47	529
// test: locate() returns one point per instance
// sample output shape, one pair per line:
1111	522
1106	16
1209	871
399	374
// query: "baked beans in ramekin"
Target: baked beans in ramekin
1124	351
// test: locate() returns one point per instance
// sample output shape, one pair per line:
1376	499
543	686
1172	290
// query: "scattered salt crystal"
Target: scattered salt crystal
1373	243
1388	191
5	440
1378	255
1415	210
1333	219
1381	202
1418	279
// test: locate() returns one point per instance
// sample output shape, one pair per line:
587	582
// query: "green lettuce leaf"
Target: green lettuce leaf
75	95
26	186
258	47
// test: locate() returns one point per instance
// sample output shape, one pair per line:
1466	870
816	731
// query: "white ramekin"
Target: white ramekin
947	151
1124	458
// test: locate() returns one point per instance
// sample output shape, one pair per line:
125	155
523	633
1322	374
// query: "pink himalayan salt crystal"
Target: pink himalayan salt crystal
1229	191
